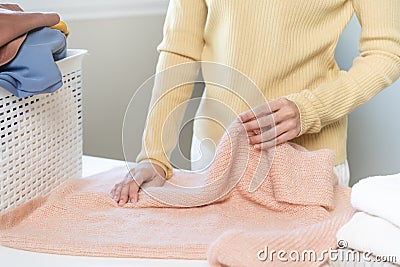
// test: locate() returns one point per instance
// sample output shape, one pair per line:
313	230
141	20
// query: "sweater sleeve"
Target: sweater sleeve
182	43
377	67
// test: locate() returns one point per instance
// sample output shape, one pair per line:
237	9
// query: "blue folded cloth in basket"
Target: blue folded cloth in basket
33	71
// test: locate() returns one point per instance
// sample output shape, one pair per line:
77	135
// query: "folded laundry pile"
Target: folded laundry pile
285	199
375	228
28	50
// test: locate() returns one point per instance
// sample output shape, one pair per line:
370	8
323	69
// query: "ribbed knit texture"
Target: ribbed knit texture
286	199
287	49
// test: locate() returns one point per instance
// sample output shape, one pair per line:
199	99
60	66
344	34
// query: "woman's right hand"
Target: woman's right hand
145	173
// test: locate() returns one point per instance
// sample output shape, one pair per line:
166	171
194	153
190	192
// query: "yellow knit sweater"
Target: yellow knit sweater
286	47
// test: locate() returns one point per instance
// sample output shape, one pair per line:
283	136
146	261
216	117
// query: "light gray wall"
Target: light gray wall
374	128
123	55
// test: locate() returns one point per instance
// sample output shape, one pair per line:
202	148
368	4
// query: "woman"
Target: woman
286	47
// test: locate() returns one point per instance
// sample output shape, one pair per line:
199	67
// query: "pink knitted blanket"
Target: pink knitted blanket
248	201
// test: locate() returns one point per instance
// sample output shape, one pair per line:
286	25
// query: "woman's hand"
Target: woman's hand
147	174
272	123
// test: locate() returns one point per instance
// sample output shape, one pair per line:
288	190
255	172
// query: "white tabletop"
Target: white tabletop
14	257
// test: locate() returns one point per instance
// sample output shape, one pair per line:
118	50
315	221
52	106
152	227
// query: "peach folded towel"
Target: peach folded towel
287	198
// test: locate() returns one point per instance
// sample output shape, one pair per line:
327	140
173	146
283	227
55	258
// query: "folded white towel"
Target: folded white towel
365	232
379	196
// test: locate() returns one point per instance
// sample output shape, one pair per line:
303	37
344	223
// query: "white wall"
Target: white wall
94	9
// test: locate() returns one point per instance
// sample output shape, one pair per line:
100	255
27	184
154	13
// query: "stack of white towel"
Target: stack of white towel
375	227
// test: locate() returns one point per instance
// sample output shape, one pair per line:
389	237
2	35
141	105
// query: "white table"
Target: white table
14	257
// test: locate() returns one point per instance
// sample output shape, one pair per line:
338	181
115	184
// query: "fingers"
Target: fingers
127	192
128	189
252	114
265	126
134	192
282	132
269	134
112	192
278	119
116	192
247	116
262	122
135	185
121	191
266	115
124	194
286	136
278	104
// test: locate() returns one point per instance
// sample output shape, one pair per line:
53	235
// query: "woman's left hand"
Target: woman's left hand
271	123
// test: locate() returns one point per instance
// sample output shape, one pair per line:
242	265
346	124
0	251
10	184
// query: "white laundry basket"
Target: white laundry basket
41	137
